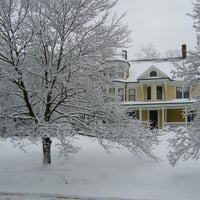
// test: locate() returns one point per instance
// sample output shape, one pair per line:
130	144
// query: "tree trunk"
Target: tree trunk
46	143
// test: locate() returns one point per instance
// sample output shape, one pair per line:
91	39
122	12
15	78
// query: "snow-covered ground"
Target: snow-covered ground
94	174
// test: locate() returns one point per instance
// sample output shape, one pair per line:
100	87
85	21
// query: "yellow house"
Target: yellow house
151	93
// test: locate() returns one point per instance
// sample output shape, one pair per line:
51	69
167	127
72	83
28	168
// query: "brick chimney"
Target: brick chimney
184	51
124	54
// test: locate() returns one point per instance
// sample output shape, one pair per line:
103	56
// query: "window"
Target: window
131	93
111	91
111	75
148	93
159	92
132	114
153	74
190	116
179	92
182	92
121	94
186	93
104	91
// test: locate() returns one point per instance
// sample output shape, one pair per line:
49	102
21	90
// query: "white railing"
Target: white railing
176	124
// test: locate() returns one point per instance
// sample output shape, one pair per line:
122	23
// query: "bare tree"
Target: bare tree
52	59
173	53
147	52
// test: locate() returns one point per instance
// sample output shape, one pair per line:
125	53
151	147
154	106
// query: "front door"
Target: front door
153	117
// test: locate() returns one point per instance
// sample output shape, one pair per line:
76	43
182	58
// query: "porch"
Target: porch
162	114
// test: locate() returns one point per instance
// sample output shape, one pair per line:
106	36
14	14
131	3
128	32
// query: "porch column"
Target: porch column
163	117
140	114
153	91
142	91
165	93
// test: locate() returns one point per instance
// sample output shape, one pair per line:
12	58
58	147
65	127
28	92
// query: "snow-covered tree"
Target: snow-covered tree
186	142
52	55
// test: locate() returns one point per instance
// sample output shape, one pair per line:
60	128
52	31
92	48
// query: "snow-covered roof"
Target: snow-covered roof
164	67
169	103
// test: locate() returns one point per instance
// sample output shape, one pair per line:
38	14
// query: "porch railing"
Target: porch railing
176	124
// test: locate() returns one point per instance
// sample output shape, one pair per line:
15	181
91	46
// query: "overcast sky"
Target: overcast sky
162	23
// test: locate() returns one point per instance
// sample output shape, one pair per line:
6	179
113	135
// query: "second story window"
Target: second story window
104	91
148	93
182	93
159	92
131	94
121	93
111	75
112	91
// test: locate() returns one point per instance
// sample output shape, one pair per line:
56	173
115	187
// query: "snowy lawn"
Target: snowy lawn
94	173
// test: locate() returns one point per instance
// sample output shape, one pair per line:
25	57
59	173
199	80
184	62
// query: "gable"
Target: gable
153	72
142	69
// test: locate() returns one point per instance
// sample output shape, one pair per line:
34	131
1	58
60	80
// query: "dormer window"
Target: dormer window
153	74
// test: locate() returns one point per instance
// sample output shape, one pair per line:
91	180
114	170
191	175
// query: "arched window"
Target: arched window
153	74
